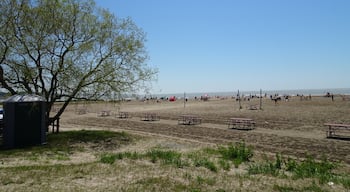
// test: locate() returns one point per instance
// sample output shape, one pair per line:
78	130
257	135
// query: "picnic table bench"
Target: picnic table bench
123	115
55	124
105	113
189	120
81	111
337	130
241	123
150	117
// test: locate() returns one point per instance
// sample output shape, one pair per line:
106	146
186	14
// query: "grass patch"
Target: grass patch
180	173
62	145
322	170
312	168
204	162
238	153
225	165
166	156
108	158
267	168
232	153
311	188
67	138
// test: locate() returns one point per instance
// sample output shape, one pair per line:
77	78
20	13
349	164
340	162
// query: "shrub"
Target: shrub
266	168
237	153
224	164
108	158
290	164
345	180
204	162
167	157
311	168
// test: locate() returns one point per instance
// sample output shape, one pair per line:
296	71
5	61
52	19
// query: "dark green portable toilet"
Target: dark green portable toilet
24	121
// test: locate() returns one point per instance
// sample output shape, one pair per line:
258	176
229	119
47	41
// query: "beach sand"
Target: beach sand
294	127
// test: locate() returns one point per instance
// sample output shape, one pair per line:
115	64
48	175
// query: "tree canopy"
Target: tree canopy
68	50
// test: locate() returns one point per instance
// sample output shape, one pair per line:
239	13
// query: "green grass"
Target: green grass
204	162
238	153
322	171
70	137
61	146
166	156
312	168
310	188
222	157
160	169
267	167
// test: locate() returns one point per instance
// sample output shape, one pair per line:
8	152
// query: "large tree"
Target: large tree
68	50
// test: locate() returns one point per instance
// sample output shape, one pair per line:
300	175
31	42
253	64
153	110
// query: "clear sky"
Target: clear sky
226	45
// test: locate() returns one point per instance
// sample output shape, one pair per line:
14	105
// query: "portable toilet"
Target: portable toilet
24	121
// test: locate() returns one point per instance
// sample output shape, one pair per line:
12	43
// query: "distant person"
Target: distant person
332	97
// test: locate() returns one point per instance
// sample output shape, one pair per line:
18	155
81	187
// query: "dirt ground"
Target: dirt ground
293	128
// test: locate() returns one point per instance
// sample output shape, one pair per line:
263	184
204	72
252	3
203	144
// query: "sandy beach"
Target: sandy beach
294	127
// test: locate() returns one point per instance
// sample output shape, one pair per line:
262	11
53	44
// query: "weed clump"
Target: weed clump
238	153
322	170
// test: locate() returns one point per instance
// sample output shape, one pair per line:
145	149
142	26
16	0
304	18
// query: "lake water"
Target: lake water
313	92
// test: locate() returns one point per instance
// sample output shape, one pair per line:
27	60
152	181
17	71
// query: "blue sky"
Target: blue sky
226	45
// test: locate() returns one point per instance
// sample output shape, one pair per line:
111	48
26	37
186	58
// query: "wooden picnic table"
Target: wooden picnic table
105	113
189	120
123	115
150	117
81	111
333	130
241	123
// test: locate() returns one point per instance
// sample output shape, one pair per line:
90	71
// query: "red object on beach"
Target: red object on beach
172	98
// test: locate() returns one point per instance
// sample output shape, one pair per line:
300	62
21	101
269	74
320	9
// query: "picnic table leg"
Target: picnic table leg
330	132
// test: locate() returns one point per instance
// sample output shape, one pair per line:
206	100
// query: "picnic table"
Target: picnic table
123	115
189	120
81	111
55	124
333	130
105	113
241	123
150	117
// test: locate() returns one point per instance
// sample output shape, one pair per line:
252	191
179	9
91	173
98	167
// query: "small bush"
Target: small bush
237	153
167	157
204	162
311	168
313	187
290	164
108	158
266	168
225	165
344	180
